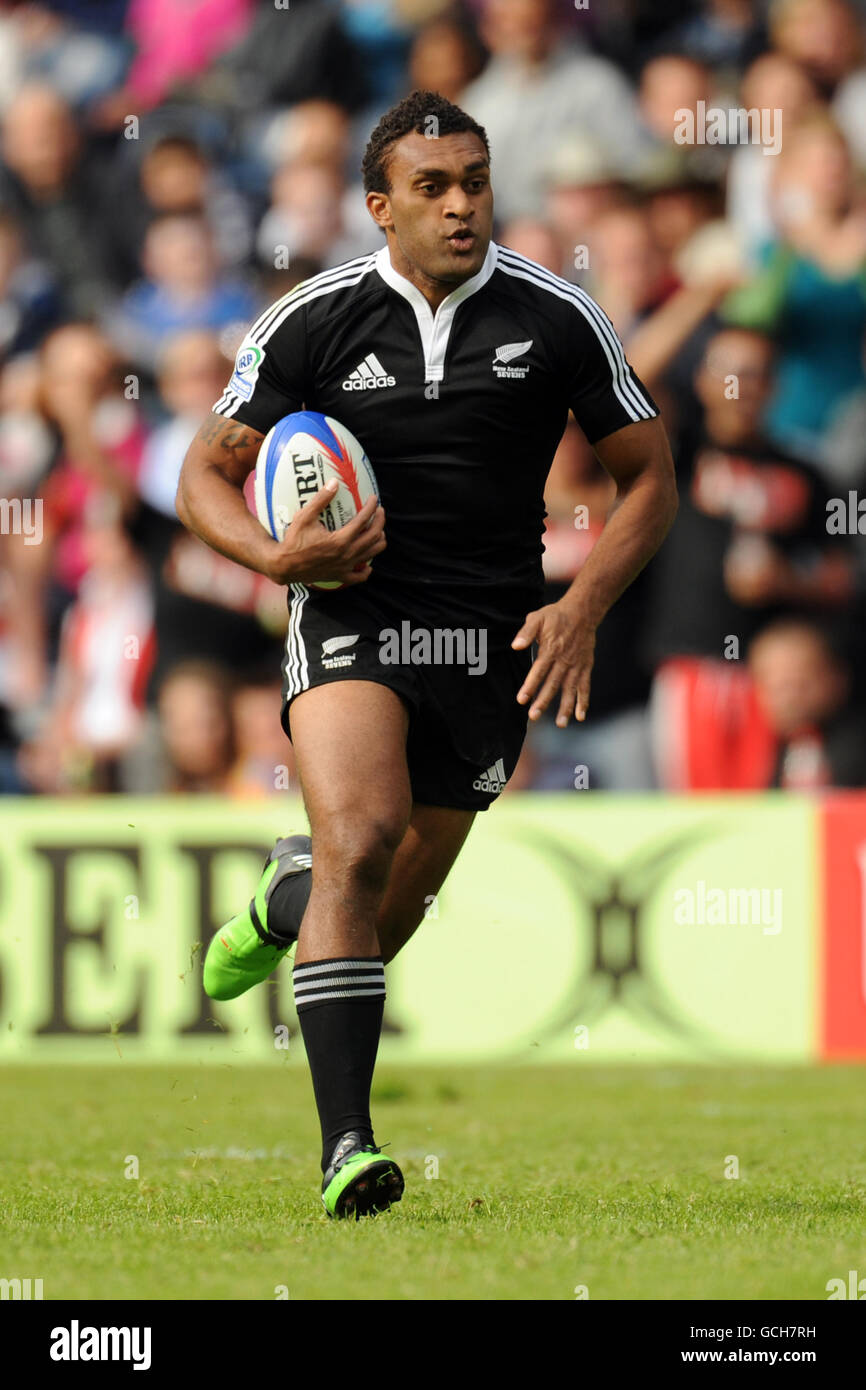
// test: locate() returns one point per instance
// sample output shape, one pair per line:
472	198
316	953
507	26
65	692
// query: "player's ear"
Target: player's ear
379	208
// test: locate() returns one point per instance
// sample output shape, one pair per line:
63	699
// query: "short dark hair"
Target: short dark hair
413	113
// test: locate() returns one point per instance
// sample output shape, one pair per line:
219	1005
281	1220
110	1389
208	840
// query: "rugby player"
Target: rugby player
455	362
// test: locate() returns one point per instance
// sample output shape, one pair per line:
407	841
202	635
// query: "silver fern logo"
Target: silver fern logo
336	644
334	654
506	354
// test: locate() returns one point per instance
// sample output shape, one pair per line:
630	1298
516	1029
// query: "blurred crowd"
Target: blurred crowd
167	170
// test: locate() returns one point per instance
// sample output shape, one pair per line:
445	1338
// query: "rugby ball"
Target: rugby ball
299	456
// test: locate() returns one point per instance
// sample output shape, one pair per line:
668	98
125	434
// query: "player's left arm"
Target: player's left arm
638	458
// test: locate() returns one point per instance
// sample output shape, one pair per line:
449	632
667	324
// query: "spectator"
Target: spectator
724	34
97	421
534	89
381	37
670	84
667	345
682	197
803	689
704	262
26	448
173	45
175	175
27	444
773	83
610	751
822	36
191	373
29	303
843	456
811	291
183	290
281	282
445	57
677	94
95	709
206	606
535	239
629	275
750	544
51	191
264	762
310	132
196	724
310	216
74	47
583	183
197	729
99	440
11	55
320	63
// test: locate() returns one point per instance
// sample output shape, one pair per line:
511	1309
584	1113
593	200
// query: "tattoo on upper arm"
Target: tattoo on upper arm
228	434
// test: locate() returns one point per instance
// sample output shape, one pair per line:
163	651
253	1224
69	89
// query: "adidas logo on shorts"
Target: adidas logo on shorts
368	375
493	780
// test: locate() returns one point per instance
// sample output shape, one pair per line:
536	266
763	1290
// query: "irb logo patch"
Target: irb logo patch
245	374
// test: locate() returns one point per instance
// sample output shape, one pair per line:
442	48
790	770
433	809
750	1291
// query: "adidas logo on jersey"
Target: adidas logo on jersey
334	654
493	780
368	375
506	354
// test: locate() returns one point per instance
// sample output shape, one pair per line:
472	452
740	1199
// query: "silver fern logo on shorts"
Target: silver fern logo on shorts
334	654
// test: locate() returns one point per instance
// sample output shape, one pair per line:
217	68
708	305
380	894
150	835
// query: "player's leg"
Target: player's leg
350	746
247	949
432	842
463	745
251	946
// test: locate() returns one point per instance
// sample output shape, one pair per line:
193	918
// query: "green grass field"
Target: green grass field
608	1177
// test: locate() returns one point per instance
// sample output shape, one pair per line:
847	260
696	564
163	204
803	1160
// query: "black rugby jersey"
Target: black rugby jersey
460	412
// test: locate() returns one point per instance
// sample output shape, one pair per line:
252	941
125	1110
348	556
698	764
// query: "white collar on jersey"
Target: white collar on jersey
435	329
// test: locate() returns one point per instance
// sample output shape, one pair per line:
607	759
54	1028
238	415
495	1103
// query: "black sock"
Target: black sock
340	1005
287	905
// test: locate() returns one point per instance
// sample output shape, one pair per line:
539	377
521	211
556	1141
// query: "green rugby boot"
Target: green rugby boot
360	1180
244	952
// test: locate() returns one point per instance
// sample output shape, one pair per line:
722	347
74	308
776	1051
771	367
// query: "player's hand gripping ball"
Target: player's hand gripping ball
301	454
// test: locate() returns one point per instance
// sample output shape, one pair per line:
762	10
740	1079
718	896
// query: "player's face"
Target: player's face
439	209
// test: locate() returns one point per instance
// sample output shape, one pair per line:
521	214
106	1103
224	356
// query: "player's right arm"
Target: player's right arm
210	502
271	379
